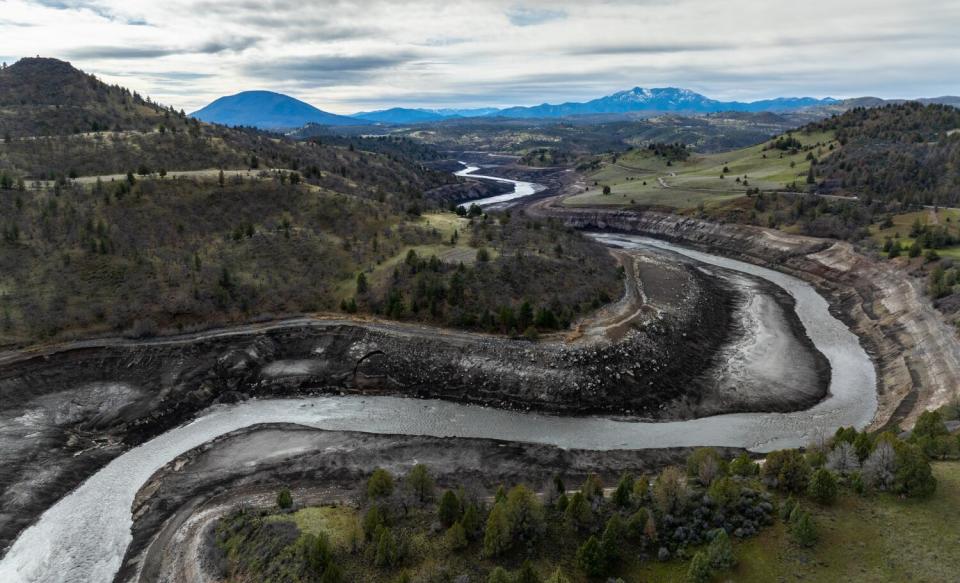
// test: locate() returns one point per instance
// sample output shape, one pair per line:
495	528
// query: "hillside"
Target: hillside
268	110
908	152
48	97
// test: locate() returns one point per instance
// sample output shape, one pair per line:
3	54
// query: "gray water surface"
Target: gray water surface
83	537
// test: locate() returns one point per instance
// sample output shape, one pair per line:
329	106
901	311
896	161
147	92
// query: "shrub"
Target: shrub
700	570
879	469
284	499
558	577
725	492
913	477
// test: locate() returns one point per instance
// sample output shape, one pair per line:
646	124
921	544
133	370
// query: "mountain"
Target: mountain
658	101
268	110
401	115
49	97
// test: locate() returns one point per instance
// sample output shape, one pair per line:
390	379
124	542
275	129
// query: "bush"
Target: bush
913	477
823	487
803	529
669	491
499	575
527	574
284	499
743	466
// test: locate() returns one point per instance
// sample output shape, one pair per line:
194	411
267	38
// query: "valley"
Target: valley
232	353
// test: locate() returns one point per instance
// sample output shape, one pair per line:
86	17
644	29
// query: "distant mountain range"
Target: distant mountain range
269	110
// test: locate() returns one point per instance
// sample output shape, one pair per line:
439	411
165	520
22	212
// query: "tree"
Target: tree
720	551
499	575
527	574
788	470
803	529
699	570
879	469
497	537
823	486
361	283
221	179
621	496
743	466
524	513
284	499
704	465
843	459
637	524
606	189
558	577
456	537
449	509
612	539
420	483
386	553
483	255
380	484
471	520
592	488
373	519
591	558
914	477
669	490
578	513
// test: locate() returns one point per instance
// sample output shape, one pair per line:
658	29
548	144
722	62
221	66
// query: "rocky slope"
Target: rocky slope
916	353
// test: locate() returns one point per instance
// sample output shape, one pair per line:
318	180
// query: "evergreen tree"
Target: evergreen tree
699	570
380	484
804	530
591	558
497	537
720	551
449	510
823	487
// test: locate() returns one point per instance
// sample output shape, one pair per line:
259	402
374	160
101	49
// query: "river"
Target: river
521	189
83	537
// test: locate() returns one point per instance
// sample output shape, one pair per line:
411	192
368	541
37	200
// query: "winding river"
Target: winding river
521	189
83	537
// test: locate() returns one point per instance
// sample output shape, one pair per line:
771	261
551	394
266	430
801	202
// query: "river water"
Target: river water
520	188
83	537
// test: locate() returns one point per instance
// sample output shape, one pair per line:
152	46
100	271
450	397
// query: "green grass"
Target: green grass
334	521
903	223
641	178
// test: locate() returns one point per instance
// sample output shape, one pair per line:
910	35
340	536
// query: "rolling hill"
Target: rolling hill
268	110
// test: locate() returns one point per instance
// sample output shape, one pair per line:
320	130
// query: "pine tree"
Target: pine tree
449	510
591	558
497	536
823	487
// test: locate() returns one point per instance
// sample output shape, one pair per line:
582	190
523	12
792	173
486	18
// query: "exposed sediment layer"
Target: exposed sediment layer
917	354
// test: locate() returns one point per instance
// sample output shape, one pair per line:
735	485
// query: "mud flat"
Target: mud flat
915	352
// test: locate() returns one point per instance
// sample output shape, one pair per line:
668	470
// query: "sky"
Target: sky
351	55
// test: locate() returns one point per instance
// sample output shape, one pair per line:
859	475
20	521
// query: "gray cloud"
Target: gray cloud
649	48
151	52
327	69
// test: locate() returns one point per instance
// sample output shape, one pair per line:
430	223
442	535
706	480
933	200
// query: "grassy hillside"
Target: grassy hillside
641	177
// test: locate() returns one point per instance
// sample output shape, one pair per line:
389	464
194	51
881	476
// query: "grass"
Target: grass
334	521
903	223
640	178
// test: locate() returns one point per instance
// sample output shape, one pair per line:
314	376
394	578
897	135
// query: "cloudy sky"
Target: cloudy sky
350	55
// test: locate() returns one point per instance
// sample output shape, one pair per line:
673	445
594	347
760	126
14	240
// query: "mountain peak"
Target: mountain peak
268	110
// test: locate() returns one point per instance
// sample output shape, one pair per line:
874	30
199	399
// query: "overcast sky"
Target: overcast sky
351	55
